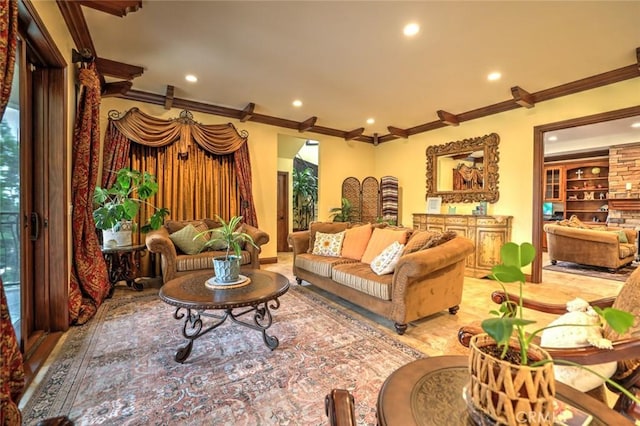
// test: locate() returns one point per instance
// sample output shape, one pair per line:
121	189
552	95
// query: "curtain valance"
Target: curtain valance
219	139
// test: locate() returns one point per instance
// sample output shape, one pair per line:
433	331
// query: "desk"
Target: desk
123	264
429	392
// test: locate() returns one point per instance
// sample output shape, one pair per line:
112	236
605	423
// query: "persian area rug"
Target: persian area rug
119	369
593	271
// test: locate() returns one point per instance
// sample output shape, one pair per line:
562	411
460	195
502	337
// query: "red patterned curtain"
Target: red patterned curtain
115	155
243	170
89	280
11	367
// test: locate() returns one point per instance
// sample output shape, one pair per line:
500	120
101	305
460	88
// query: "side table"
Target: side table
123	264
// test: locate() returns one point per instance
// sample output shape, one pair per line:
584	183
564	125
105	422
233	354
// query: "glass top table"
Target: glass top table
429	391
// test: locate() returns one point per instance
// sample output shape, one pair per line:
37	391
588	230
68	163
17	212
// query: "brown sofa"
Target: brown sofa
174	262
423	282
589	246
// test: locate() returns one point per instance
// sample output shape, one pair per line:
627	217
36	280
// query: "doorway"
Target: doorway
538	166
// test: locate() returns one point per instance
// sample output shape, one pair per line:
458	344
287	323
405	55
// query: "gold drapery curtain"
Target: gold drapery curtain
199	185
202	169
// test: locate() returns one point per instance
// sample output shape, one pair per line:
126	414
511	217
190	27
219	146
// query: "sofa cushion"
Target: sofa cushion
626	250
204	260
439	238
386	262
417	241
328	244
327	228
381	239
355	241
359	276
319	265
176	225
185	238
622	236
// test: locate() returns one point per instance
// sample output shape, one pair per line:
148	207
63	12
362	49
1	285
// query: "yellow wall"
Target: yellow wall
406	158
336	162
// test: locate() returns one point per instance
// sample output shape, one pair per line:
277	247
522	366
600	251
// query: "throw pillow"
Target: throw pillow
582	329
417	241
622	236
328	244
216	244
380	240
325	227
386	262
355	241
184	239
438	239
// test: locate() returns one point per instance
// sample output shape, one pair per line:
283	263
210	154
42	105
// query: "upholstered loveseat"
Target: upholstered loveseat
427	278
580	243
176	261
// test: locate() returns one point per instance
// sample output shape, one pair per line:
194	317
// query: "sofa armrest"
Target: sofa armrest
299	240
158	242
260	238
424	262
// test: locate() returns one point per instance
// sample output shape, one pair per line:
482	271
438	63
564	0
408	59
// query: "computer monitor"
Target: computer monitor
547	209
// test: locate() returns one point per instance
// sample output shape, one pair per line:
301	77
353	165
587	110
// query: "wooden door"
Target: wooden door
283	211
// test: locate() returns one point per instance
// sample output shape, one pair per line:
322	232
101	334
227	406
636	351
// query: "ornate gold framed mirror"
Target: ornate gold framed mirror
464	171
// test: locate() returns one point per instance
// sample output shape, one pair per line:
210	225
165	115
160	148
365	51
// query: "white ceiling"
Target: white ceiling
348	60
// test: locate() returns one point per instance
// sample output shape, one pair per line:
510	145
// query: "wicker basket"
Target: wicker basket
511	394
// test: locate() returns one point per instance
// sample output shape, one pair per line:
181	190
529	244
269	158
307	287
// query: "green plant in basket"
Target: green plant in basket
509	319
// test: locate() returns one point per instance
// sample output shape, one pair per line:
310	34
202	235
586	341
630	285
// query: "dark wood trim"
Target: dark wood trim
398	132
116	88
538	163
448	118
247	112
42	347
40	43
522	97
118	69
267	260
77	25
577	155
628	204
354	134
118	8
168	97
307	124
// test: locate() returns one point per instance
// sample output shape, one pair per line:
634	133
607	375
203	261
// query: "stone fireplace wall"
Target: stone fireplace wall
624	168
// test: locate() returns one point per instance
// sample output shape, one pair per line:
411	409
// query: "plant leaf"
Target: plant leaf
501	329
619	321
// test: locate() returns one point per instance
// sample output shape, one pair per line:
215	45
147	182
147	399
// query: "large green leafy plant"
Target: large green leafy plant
344	213
122	201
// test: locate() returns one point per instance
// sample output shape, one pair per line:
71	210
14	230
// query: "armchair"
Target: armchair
626	348
174	262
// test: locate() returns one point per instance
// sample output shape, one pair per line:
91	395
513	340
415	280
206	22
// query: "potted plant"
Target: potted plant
305	193
229	235
344	213
118	206
509	374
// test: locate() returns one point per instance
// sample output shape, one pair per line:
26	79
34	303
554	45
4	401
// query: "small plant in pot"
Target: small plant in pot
229	234
512	379
118	206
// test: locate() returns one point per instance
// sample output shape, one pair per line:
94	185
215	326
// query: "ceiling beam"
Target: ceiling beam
247	112
376	139
118	69
113	7
115	89
353	134
448	118
307	124
396	131
522	97
73	17
168	97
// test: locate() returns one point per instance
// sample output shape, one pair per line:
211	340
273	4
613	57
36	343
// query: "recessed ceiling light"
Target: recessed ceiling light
370	121
552	138
411	29
191	78
494	76
636	125
297	103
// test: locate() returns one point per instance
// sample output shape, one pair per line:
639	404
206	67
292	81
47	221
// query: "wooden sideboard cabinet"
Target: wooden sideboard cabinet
488	233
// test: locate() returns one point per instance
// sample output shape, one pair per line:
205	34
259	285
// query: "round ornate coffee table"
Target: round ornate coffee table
191	294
